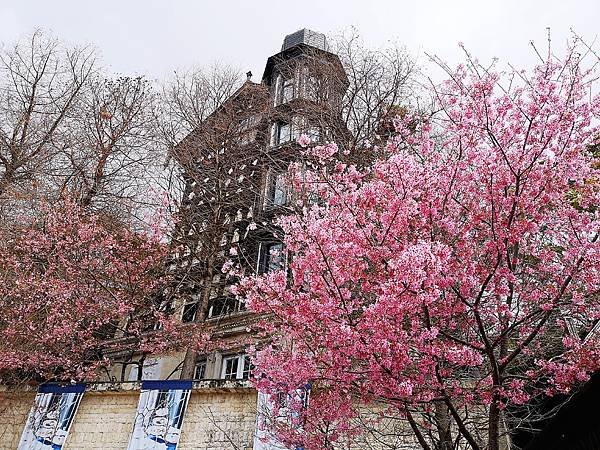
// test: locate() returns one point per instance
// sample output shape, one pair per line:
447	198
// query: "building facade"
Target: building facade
234	168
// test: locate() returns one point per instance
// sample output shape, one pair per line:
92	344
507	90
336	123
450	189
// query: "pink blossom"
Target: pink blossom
303	140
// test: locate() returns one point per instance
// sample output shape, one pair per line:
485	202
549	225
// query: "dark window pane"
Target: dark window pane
287	93
189	312
280	191
284	132
231	366
200	370
221	306
271	257
275	257
247	368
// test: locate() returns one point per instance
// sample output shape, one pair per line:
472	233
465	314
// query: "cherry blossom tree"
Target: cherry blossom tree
75	287
451	281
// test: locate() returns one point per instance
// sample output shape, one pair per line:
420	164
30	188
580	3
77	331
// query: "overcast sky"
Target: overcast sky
155	37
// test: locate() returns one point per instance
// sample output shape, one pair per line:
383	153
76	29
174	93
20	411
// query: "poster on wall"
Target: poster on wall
264	438
159	415
51	416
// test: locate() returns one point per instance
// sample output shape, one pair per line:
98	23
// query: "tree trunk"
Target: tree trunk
494	426
191	356
442	420
189	365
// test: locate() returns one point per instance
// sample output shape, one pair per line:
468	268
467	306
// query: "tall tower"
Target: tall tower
233	167
300	93
306	83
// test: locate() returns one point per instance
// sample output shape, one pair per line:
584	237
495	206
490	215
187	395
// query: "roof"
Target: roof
302	42
308	37
298	50
246	87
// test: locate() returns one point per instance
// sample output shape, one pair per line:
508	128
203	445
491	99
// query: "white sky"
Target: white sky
155	37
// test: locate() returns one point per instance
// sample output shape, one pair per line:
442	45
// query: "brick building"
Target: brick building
234	167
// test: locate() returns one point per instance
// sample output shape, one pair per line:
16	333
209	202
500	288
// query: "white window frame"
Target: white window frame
241	360
288	86
283	138
277	90
276	191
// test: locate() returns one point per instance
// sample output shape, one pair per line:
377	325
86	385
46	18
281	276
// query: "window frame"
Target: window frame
242	368
280	137
192	305
234	305
264	265
200	363
287	90
277	191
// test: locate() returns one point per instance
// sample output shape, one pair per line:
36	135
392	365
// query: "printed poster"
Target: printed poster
51	417
159	415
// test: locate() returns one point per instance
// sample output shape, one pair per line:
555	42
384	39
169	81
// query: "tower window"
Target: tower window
287	90
282	133
284	90
270	257
276	190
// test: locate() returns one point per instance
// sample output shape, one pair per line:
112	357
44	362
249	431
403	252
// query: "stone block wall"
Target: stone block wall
220	416
14	409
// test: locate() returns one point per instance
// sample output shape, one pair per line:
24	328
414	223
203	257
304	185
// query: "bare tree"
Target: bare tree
222	176
379	82
41	81
110	154
67	129
193	95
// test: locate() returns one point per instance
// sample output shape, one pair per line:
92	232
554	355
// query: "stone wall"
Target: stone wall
221	415
14	409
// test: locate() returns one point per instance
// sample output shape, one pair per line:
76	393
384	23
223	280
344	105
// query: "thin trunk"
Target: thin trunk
189	364
442	419
417	432
191	356
494	426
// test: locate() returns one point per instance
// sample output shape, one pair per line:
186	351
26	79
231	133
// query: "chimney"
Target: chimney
248	76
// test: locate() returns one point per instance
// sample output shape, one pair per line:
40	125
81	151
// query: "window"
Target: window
270	257
287	90
247	122
200	371
284	90
276	189
311	87
282	133
150	370
247	137
221	306
190	310
314	133
236	367
279	190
